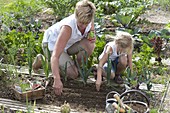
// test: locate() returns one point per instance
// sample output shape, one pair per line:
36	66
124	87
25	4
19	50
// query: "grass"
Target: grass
165	4
4	2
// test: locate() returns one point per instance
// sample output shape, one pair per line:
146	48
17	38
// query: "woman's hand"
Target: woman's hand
58	86
92	40
91	36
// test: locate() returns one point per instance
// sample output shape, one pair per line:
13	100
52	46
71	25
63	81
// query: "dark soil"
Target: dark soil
80	97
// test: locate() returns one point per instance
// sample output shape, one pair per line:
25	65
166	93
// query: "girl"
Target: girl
119	52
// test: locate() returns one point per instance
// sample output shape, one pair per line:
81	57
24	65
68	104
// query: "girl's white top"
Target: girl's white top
51	34
114	54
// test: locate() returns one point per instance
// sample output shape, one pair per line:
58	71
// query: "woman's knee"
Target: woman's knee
88	46
72	72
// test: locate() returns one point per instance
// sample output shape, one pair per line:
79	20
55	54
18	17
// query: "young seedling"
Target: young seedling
45	64
65	108
132	79
30	107
46	61
23	86
91	35
29	57
83	69
147	77
64	71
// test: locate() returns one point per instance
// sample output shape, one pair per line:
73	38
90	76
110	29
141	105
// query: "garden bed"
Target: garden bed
82	98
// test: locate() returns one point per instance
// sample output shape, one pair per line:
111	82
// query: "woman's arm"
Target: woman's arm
60	44
92	30
92	26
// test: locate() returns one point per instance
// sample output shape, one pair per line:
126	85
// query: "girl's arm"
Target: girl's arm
102	61
130	61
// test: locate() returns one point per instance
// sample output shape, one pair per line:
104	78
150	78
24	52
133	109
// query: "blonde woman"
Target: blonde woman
119	52
65	38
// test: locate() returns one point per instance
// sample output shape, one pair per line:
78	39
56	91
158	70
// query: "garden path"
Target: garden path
166	103
157	15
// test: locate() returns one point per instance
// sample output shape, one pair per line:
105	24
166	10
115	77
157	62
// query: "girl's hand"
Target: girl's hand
98	84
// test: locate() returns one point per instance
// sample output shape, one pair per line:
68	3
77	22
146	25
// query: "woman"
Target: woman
66	38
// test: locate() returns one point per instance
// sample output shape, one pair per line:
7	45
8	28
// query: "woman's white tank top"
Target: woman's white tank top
51	34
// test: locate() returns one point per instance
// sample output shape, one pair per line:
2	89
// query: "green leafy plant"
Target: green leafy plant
62	8
46	61
128	16
1	72
16	14
157	40
65	108
142	65
19	41
142	58
147	77
132	79
157	44
25	86
12	52
107	7
30	107
2	109
29	55
100	42
124	12
64	71
154	110
84	70
91	34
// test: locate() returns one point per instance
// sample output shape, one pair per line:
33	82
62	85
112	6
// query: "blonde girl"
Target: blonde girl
119	52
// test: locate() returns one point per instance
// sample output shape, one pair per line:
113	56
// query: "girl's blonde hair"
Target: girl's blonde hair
124	40
85	11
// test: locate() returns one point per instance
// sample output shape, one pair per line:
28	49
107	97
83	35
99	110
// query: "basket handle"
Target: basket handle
112	92
136	91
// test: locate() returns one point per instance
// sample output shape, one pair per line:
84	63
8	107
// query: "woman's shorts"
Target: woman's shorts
65	58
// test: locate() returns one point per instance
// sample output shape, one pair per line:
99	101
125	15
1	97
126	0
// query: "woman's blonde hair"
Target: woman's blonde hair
85	11
124	40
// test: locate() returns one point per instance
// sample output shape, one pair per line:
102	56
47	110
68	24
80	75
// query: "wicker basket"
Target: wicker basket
30	95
